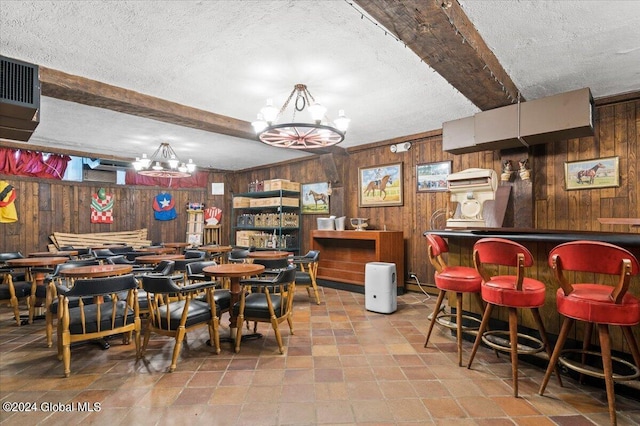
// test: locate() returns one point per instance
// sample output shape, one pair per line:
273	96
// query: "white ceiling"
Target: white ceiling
228	57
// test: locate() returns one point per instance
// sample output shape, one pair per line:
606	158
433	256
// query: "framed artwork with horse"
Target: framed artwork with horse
380	186
589	174
315	198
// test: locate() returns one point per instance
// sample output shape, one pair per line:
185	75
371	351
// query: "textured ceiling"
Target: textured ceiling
228	57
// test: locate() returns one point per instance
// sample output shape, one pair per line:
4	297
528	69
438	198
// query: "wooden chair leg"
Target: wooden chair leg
180	334
239	330
276	330
436	311
513	337
459	326
586	343
605	346
16	310
147	335
553	361
545	340
633	345
483	326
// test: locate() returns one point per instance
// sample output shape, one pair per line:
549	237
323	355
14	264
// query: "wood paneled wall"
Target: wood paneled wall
47	206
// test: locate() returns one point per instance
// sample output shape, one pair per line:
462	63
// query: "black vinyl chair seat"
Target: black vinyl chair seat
21	288
198	312
256	305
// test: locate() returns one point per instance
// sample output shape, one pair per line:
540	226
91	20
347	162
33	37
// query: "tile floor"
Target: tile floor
343	366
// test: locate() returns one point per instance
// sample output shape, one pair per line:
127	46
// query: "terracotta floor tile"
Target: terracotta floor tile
344	365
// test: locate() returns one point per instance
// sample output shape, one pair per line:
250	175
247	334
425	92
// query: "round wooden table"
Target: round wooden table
214	251
233	271
269	254
157	250
31	262
60	253
177	247
154	259
96	271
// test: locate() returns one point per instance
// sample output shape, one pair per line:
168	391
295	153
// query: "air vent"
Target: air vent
19	99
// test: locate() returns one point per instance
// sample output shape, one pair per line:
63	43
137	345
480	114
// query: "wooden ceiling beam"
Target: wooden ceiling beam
440	33
60	85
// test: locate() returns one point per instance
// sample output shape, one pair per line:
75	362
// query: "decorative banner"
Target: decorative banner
8	213
212	216
164	207
101	207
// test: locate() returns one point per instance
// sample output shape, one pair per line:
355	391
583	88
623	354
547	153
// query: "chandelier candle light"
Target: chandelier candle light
298	135
163	163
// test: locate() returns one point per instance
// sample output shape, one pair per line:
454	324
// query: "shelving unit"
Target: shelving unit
267	220
195	225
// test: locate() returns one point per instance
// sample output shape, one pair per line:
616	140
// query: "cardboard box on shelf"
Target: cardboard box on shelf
239	202
274	201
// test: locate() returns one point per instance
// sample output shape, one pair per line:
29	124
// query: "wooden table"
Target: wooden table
233	271
157	250
97	271
214	251
154	259
269	254
177	247
31	262
60	253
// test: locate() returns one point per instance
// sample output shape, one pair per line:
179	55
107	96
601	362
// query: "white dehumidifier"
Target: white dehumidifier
380	287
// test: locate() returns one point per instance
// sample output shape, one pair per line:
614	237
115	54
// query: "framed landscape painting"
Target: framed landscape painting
315	198
380	185
433	176
590	174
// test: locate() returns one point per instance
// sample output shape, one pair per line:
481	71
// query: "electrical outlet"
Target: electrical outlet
412	275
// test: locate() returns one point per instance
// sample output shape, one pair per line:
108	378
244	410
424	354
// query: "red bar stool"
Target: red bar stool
596	304
513	292
459	279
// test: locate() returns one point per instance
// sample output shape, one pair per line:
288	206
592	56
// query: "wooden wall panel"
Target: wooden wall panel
47	206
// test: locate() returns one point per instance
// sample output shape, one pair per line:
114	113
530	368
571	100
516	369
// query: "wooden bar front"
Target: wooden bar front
344	254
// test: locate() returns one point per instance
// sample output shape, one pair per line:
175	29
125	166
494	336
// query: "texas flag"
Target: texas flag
164	207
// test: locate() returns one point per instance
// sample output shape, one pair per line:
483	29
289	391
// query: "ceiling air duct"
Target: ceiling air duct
19	99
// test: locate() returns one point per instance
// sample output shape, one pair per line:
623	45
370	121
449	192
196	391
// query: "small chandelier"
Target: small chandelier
299	135
164	163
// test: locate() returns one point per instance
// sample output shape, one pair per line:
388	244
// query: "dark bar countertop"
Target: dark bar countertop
541	235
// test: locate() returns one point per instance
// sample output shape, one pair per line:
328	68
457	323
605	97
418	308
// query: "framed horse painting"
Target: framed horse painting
380	185
315	198
589	174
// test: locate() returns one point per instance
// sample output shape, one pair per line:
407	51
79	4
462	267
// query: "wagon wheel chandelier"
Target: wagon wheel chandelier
163	163
295	134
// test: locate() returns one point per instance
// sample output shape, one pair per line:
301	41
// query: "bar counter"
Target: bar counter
540	243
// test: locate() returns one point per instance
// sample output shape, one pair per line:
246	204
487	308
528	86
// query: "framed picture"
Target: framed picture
589	174
433	176
380	185
315	198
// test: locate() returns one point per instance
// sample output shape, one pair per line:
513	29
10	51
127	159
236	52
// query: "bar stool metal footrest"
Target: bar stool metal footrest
594	371
451	324
494	340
